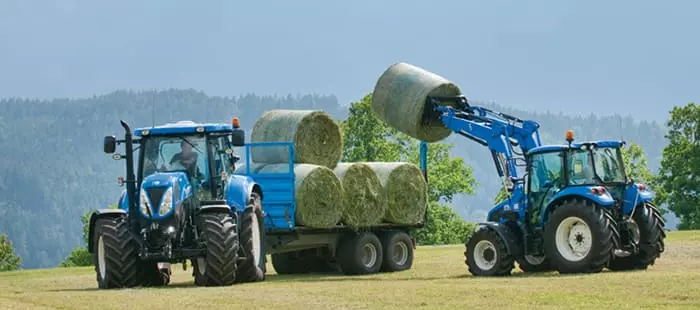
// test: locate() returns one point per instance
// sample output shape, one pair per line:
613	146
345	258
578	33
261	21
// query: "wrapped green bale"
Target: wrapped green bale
316	136
399	99
405	189
364	202
318	192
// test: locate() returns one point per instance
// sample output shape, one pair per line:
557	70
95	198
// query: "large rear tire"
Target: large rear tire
487	255
361	254
117	263
580	237
398	251
252	228
219	266
651	240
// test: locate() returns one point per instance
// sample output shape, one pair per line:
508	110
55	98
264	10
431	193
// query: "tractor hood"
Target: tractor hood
161	192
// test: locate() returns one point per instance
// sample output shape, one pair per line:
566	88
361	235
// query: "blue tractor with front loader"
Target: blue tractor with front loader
573	209
181	202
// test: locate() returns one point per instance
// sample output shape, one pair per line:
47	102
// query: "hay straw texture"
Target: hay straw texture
405	189
318	192
399	99
363	200
316	136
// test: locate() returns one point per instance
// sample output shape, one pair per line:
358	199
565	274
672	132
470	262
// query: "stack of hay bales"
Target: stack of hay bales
318	146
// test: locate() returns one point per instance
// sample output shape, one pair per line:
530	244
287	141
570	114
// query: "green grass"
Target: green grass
439	279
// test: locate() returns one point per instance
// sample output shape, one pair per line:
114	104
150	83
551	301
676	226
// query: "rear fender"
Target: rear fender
507	235
238	190
572	192
634	196
98	214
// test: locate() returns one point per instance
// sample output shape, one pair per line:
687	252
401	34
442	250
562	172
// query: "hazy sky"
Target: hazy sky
629	57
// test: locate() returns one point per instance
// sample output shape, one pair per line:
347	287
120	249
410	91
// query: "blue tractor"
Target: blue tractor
573	209
181	202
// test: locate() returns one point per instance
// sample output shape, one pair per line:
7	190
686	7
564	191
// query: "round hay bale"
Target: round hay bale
405	189
318	192
364	201
316	136
399	99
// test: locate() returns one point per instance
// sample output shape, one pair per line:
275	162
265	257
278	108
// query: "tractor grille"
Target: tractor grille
155	194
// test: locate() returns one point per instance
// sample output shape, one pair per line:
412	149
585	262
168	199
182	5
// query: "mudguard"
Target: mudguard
584	192
508	235
635	196
238	190
216	206
98	214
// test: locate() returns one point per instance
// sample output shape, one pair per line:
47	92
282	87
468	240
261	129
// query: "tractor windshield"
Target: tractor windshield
601	165
175	153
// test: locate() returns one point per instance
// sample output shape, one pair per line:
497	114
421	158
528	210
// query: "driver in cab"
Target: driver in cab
186	157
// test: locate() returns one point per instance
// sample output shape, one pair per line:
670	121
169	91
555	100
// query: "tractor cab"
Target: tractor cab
591	167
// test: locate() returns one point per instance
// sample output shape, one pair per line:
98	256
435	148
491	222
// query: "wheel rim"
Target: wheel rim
201	266
400	253
101	257
574	239
485	254
369	257
534	260
256	240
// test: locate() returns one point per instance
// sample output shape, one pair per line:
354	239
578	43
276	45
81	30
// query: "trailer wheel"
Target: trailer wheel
580	237
288	263
218	266
530	263
117	263
361	254
398	251
252	242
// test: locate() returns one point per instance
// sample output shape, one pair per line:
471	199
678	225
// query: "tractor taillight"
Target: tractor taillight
641	187
120	181
598	190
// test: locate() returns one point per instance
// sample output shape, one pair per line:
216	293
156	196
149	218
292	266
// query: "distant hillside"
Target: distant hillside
53	169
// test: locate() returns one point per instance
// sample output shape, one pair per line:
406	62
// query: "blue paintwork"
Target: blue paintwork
279	202
182	127
181	190
237	191
634	197
582	191
561	147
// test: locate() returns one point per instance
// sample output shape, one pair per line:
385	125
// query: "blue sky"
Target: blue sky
629	57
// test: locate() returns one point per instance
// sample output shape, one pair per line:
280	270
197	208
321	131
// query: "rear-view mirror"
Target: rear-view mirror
238	137
110	144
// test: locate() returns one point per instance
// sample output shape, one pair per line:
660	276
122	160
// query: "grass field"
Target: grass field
439	279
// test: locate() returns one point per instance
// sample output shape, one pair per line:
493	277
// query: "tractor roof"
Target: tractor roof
561	147
183	127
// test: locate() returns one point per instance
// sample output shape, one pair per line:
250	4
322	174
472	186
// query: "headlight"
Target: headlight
166	203
144	203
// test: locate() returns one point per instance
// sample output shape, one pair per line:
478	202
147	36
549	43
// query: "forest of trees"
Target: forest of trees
53	169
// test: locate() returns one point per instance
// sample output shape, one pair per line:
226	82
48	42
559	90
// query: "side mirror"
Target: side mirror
238	137
110	144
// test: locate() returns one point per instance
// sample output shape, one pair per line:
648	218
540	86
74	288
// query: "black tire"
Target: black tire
398	251
598	234
289	263
117	264
156	276
252	227
534	264
651	240
487	255
352	254
219	266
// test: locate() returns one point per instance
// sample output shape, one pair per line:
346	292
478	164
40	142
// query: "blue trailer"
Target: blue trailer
297	249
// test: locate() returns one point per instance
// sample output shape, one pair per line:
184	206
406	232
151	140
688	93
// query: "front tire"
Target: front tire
580	237
253	240
117	263
487	255
218	267
651	240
